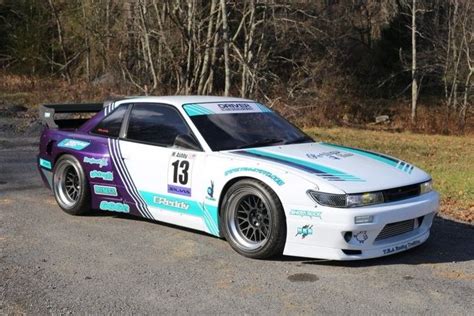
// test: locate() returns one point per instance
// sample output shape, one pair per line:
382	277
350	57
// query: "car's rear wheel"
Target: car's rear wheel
70	186
252	219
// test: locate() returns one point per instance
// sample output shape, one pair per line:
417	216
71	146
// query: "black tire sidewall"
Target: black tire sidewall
276	241
82	206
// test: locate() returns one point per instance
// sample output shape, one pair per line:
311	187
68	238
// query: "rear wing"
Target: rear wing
47	113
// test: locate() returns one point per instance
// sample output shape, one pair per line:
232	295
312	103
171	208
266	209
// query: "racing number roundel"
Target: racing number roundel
180	173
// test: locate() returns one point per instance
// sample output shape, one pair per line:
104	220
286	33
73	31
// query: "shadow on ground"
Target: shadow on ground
450	241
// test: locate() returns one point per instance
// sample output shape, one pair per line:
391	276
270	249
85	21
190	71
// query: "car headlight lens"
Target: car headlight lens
363	199
346	200
426	187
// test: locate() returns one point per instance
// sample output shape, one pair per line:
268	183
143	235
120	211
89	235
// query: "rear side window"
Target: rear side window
111	124
156	124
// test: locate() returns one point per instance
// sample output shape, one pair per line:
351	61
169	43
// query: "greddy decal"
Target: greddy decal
104	175
45	163
73	144
102	162
403	166
319	170
114	207
105	190
122	171
207	213
303	213
257	170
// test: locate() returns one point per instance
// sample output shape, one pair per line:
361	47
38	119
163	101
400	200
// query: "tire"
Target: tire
70	186
252	220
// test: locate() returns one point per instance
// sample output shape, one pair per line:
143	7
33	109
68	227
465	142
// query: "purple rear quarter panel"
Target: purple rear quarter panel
88	157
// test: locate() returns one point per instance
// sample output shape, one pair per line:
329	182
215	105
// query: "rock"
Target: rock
382	119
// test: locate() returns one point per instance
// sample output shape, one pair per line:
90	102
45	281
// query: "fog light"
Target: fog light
347	236
364	219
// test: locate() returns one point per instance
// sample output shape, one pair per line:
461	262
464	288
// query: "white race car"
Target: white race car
233	168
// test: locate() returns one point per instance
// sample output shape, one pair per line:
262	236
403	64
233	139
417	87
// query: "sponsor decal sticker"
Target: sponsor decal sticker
257	170
159	200
304	213
235	107
73	144
210	192
114	207
304	231
102	162
180	173
104	175
45	163
401	247
361	236
174	189
105	190
335	155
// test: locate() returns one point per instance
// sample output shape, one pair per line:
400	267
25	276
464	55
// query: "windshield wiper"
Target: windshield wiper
302	139
262	142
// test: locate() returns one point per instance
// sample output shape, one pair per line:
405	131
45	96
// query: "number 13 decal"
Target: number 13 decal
181	171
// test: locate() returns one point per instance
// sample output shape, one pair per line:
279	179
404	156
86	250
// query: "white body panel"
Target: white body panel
286	170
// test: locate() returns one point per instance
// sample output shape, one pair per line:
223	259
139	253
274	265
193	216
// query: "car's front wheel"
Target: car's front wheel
70	186
253	220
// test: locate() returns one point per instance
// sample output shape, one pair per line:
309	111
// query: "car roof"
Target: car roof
178	100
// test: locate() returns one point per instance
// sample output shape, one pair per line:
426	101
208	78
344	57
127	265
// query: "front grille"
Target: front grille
401	193
399	228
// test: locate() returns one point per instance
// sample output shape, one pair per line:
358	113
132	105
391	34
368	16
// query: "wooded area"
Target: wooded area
343	62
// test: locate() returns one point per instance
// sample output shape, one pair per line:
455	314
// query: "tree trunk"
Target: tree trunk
225	36
414	84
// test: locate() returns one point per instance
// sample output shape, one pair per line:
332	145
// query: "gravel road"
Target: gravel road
51	262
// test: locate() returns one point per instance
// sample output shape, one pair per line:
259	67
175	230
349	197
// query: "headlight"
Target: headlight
346	200
426	187
363	199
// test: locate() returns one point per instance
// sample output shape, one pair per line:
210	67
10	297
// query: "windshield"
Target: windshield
225	129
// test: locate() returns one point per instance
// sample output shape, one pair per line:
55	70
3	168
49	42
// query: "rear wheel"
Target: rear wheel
70	186
252	220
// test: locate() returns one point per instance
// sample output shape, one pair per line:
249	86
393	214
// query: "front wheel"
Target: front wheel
70	186
252	219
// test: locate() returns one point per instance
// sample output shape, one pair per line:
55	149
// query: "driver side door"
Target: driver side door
165	177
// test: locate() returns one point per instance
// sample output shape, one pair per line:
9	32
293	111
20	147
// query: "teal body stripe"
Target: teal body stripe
329	171
363	153
207	212
196	109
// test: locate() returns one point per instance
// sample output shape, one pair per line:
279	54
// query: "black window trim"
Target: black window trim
126	120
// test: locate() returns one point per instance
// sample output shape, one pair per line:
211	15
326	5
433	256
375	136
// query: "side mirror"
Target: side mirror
186	141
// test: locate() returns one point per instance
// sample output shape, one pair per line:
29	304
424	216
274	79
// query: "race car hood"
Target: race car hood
349	169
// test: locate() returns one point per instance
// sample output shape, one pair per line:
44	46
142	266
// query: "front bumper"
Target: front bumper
331	233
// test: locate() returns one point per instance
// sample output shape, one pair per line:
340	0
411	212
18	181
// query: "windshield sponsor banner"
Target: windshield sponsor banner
195	109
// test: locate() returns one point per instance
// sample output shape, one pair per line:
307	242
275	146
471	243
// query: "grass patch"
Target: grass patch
449	160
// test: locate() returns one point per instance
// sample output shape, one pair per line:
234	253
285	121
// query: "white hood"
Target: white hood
351	170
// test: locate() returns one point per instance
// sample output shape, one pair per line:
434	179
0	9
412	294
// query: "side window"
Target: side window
156	124
111	124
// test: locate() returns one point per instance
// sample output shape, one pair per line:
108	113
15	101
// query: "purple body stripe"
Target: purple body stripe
141	201
127	180
116	161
